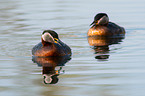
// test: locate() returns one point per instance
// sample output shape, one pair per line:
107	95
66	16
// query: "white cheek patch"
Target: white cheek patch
47	78
47	37
103	20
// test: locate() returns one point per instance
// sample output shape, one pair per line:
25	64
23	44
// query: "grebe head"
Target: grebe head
49	36
101	19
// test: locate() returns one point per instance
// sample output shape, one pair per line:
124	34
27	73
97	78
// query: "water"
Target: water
21	25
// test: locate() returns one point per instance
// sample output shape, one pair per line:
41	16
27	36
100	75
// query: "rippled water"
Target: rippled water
120	72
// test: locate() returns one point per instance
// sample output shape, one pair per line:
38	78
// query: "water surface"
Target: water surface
120	74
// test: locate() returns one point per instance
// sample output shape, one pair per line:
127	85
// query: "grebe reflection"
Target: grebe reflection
101	44
51	67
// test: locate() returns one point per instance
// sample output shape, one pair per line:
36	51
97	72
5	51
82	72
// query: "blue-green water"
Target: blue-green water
21	25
